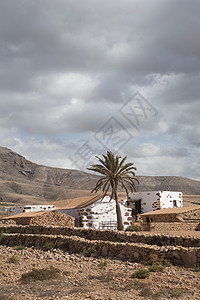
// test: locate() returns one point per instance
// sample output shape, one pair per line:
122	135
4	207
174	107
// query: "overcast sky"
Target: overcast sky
80	77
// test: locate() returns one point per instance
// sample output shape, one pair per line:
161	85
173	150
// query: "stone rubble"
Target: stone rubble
85	278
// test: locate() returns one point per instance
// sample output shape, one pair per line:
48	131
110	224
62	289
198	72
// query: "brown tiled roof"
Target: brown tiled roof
80	202
176	210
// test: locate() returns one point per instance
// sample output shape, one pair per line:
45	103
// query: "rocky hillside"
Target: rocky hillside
22	181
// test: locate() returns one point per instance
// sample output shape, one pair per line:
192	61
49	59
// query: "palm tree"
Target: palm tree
115	172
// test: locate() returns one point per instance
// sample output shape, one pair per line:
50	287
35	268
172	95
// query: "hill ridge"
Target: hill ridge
20	177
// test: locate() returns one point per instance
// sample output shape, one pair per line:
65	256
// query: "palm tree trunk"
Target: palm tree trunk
120	225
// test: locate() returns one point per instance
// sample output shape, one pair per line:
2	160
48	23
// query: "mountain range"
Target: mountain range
25	182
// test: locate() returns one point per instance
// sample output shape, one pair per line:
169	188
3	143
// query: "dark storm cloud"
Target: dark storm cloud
68	66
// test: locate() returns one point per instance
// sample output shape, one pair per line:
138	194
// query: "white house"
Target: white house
96	212
142	202
13	210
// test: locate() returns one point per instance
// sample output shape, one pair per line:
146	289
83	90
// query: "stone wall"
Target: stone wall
107	235
161	218
175	226
52	218
191	215
120	250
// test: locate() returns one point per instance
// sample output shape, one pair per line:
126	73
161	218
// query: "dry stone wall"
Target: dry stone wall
124	251
106	235
175	226
52	218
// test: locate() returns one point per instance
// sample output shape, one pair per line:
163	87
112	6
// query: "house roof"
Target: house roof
27	214
176	210
80	202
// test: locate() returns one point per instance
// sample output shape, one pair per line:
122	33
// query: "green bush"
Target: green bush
2	237
40	275
141	274
136	228
20	247
156	268
175	292
166	263
103	263
13	259
91	250
48	246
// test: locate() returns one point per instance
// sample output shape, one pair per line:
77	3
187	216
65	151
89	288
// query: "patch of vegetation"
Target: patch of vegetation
166	263
103	277
141	274
175	292
136	228
20	247
66	273
140	285
48	246
103	263
13	259
2	237
91	250
40	275
146	293
156	268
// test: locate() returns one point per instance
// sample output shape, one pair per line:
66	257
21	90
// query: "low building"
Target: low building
13	210
179	214
173	219
142	202
96	212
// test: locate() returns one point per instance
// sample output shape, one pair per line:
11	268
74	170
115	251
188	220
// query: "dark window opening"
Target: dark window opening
138	207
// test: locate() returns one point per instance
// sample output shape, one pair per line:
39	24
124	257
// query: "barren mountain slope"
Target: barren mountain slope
22	181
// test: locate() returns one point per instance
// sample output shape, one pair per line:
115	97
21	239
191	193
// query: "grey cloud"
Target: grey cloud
113	49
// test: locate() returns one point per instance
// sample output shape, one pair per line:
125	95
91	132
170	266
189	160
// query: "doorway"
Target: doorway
138	207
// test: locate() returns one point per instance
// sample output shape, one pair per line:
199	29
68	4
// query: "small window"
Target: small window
174	203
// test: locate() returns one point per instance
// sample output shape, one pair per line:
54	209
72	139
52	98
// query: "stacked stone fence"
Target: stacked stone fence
134	252
107	235
175	226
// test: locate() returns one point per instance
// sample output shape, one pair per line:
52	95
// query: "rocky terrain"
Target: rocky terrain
24	182
83	277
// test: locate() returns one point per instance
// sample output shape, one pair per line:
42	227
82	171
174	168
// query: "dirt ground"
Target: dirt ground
91	278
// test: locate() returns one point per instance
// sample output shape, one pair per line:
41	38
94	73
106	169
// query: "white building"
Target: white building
142	202
95	212
13	210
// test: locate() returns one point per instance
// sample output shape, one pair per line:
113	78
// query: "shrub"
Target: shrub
91	250
166	263
175	292
40	275
2	236
48	246
20	247
156	268
13	259
103	263
146	293
141	274
136	228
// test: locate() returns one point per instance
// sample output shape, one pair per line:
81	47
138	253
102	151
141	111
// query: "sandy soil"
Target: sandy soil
91	278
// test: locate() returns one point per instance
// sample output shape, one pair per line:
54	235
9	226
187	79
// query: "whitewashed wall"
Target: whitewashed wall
104	210
155	200
29	208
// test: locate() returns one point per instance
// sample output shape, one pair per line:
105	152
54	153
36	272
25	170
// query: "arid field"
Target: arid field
80	277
